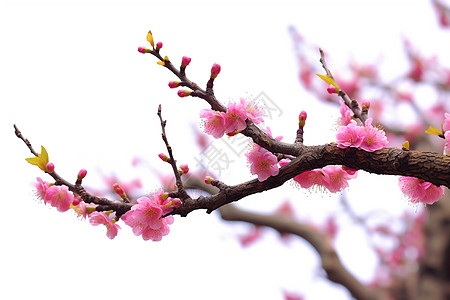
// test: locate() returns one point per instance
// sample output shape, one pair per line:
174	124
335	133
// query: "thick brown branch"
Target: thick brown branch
428	166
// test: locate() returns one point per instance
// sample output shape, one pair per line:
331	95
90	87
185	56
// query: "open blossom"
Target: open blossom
350	135
366	137
333	177
254	113
214	123
41	188
262	163
235	117
100	218
337	178
374	138
146	217
418	190
59	196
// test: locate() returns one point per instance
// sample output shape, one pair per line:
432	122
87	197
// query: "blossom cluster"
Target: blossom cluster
145	217
365	137
218	123
334	178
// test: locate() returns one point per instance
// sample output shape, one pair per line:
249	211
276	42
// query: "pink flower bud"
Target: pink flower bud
82	174
365	104
184	168
208	179
118	189
50	167
184	93
302	118
75	202
144	50
185	61
215	70
174	84
163	157
159	45
331	89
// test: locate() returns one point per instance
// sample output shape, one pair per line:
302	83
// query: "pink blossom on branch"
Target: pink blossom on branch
262	163
59	196
235	117
366	137
350	135
421	191
214	123
100	218
374	138
146	217
346	116
254	113
41	188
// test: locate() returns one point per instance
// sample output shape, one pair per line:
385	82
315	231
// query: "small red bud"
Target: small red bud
183	93
159	45
331	89
82	174
302	118
50	167
174	84
185	61
163	157
215	70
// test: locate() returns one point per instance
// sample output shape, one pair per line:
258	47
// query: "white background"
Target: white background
73	81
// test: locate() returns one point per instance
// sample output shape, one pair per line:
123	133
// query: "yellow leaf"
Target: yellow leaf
405	146
161	63
329	80
150	38
41	160
433	130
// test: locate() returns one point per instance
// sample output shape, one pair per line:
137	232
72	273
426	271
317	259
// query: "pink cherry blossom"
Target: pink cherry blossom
59	196
100	218
262	163
146	217
446	125
447	142
235	117
350	135
214	123
41	188
374	138
254	113
418	190
337	177
346	116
